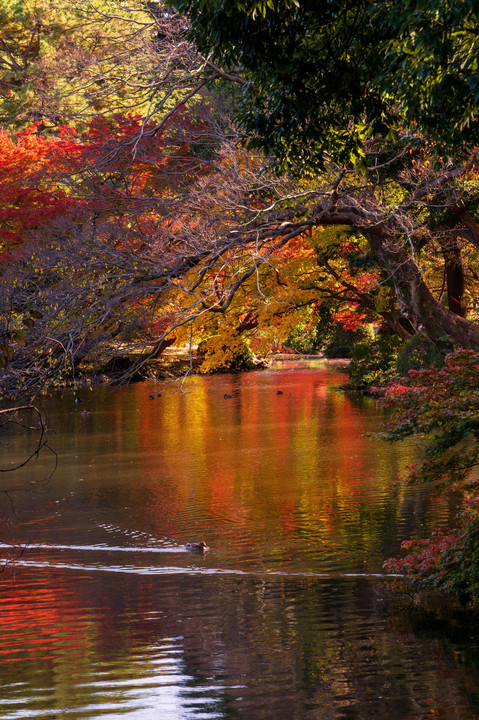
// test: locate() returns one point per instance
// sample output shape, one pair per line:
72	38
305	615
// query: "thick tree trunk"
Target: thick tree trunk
415	300
456	296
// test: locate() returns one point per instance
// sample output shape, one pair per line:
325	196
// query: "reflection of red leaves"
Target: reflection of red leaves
48	620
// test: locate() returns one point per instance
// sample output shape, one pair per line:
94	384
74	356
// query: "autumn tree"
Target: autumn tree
330	92
122	128
180	218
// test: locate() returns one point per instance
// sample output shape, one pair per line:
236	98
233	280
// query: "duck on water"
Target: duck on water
199	547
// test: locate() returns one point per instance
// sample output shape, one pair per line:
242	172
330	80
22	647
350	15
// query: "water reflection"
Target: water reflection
104	614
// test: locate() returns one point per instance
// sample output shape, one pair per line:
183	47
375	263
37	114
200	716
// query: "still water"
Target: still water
104	614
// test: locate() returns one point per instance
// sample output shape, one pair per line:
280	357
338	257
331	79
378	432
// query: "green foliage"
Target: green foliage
338	341
310	335
373	362
326	75
458	568
418	353
309	63
431	65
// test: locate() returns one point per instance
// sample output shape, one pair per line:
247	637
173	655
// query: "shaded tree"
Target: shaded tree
326	75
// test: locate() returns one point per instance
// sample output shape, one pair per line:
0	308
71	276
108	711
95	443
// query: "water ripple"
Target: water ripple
193	570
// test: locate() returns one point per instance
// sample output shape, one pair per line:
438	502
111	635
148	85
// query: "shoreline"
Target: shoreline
171	365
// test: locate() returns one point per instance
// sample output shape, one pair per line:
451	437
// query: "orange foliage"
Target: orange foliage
30	196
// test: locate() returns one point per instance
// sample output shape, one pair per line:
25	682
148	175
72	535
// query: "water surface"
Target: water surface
105	615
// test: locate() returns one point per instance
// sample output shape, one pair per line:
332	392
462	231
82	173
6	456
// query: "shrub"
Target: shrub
442	405
342	341
418	353
305	338
373	362
225	352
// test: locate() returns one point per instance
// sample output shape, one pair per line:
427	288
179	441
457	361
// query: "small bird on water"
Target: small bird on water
200	547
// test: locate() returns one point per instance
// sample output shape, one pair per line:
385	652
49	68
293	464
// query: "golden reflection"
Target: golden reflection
290	495
270	472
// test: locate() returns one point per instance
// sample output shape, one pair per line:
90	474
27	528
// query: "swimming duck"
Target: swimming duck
200	547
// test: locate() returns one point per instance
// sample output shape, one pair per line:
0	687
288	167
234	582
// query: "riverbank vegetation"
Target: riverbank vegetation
242	178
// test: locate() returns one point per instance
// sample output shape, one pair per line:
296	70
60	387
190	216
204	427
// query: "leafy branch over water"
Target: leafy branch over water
443	406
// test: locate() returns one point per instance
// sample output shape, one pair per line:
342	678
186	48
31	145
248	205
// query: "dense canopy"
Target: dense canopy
326	74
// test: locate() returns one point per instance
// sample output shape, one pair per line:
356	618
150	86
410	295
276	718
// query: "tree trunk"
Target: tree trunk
456	296
398	324
416	302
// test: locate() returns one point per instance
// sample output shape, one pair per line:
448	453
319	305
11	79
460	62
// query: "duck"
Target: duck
199	547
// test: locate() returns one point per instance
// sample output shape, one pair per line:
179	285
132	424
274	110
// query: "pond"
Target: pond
105	615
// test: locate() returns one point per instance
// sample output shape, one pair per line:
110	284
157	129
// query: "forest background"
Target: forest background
243	177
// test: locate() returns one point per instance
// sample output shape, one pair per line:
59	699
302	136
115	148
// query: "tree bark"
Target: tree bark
398	324
456	296
416	302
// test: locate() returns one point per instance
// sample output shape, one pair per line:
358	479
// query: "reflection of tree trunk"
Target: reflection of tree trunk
416	302
455	278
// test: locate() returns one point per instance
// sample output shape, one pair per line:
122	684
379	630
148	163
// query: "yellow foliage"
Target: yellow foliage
225	350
